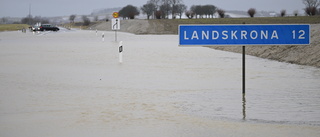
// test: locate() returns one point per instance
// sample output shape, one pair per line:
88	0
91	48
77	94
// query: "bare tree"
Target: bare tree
210	10
166	8
311	6
252	12
180	9
194	10
221	13
71	18
311	3
201	11
156	3
197	10
174	4
148	9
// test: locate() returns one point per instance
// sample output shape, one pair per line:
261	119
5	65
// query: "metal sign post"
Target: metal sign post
243	69
115	25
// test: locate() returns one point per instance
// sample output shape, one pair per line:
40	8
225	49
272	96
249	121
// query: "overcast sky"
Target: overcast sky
50	8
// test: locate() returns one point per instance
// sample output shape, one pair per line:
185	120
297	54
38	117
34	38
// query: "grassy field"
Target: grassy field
13	27
78	25
172	25
256	20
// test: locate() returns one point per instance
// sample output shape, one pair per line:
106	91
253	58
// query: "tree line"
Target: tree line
156	9
161	9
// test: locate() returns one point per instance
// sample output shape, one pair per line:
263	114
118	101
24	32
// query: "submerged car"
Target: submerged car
45	27
35	28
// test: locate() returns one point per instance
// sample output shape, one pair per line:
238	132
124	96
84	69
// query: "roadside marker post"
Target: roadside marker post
120	51
244	34
103	36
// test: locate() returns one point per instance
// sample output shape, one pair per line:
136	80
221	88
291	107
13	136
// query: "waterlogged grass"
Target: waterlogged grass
13	27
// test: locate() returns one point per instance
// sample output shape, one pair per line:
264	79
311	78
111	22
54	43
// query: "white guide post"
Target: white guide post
120	51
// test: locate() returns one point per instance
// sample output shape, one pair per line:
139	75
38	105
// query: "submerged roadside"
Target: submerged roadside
308	55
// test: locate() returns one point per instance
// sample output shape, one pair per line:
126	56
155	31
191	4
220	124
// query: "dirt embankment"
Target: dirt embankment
139	27
303	55
296	54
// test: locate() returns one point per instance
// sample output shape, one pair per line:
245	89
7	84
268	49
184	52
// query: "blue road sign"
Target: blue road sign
220	35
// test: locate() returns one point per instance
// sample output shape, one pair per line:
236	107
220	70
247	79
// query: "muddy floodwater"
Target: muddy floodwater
70	83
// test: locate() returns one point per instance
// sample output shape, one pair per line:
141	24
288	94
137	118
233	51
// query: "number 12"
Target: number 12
301	34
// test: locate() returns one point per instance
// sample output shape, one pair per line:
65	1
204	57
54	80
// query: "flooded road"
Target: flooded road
71	83
209	85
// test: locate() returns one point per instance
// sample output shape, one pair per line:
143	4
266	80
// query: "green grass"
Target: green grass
13	27
256	20
79	25
172	25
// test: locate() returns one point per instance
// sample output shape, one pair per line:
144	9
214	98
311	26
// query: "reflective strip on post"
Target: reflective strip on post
120	51
102	36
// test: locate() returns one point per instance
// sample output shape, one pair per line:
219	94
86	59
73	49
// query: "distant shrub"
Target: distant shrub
295	13
311	11
158	14
283	13
189	14
252	12
221	13
86	21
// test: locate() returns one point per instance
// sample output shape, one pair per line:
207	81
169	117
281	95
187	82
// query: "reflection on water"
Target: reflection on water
159	90
207	83
276	92
244	106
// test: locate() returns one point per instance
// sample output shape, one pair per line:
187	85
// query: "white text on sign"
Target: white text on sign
231	34
211	35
